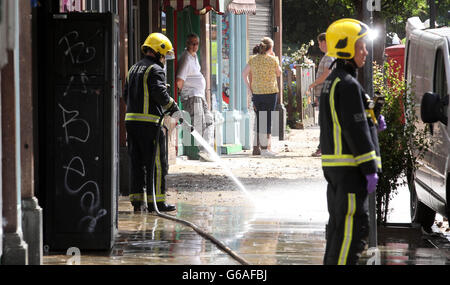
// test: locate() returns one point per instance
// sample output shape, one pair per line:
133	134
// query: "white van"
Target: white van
427	67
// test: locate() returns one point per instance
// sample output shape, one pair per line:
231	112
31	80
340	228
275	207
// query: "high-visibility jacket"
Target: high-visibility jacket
348	138
145	92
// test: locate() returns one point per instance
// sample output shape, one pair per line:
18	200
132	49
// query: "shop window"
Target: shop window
67	6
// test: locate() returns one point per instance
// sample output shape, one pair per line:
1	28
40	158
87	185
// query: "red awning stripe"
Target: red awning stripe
194	4
180	4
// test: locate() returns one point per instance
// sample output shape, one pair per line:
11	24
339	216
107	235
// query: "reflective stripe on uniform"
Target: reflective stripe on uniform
349	160
366	157
130	71
337	137
146	94
339	159
140	198
142	117
348	229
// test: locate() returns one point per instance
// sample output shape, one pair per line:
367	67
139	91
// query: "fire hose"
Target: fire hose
202	233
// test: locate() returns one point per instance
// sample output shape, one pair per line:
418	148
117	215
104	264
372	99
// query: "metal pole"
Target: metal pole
368	86
432	13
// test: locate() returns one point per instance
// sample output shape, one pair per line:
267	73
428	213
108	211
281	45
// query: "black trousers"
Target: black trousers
348	225
267	103
141	145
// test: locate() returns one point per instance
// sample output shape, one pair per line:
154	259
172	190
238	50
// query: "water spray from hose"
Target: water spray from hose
218	243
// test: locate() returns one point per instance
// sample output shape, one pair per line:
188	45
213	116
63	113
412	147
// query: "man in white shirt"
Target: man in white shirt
192	84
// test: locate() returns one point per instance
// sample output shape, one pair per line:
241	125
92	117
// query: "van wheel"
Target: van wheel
420	213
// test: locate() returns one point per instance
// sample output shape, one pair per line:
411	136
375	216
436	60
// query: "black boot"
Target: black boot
162	207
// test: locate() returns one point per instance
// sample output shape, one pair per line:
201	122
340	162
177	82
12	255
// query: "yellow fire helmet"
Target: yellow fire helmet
159	43
342	35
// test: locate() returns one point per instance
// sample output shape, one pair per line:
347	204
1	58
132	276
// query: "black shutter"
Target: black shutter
81	106
261	24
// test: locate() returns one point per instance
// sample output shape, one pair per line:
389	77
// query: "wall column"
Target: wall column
14	248
32	214
232	115
245	127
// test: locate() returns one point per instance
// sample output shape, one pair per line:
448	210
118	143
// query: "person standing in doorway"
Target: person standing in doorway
349	142
192	85
264	68
323	70
147	99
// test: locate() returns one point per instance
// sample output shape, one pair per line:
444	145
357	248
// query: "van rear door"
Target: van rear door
417	55
440	140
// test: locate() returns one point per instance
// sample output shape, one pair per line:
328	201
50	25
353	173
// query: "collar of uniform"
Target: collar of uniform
153	60
348	65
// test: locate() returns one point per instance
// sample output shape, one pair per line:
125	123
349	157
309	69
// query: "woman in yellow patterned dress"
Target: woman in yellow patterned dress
263	70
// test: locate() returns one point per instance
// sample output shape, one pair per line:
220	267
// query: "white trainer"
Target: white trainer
268	153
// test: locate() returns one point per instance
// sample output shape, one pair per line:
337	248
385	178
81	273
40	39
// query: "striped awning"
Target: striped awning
241	6
200	6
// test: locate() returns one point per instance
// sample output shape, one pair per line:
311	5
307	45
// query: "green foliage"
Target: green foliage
295	115
402	143
299	57
396	13
304	20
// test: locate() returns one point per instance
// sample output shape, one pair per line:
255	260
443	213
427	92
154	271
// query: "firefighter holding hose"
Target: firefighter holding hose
147	100
349	142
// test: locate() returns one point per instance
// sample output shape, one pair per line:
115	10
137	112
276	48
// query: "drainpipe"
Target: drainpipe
432	13
278	49
368	86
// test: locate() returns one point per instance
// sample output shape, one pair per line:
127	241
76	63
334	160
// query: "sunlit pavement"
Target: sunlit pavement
283	226
281	222
402	243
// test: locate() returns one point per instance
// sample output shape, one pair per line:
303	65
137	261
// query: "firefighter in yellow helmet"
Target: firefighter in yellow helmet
147	99
349	142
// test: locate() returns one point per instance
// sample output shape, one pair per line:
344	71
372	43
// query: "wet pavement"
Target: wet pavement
281	221
279	227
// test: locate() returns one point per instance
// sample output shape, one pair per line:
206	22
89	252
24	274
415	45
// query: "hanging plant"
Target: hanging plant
298	57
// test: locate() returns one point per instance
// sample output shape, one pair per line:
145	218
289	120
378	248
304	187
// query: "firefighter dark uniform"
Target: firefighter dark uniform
147	100
350	150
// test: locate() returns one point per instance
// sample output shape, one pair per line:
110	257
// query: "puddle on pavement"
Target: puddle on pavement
291	234
149	239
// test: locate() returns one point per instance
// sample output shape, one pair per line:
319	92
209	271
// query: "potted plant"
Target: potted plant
403	142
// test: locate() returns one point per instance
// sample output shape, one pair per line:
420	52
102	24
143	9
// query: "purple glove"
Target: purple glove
372	180
381	123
